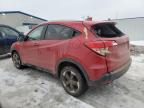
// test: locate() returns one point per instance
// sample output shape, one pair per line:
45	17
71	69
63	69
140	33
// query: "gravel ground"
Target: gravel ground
136	50
30	88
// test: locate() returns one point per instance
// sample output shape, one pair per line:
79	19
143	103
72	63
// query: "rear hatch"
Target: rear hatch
119	53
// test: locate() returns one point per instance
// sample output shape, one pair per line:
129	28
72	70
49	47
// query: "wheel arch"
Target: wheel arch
13	50
68	61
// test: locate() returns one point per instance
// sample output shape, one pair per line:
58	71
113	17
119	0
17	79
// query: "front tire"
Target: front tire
16	60
72	81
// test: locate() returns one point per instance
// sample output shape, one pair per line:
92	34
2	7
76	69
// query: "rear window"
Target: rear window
107	30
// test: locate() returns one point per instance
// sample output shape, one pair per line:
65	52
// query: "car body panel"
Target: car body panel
119	54
29	53
49	51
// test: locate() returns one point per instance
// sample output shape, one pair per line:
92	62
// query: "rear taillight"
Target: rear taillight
101	47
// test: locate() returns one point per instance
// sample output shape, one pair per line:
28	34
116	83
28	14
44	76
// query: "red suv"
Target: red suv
80	53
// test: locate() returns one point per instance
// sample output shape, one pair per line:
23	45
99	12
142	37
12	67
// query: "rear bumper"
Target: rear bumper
110	76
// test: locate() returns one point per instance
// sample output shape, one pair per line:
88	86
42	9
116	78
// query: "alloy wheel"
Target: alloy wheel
16	60
70	81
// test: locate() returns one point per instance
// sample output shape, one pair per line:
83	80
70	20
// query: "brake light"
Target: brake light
101	47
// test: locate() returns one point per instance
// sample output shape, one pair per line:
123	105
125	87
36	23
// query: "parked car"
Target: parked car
8	36
80	53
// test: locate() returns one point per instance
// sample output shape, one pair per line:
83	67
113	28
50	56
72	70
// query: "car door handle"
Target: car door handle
36	44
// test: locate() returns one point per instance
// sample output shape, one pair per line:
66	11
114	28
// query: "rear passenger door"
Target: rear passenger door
54	45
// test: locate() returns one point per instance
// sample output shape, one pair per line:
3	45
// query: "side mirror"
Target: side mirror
21	37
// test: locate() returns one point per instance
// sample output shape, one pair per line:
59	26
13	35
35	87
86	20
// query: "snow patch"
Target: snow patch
138	43
30	88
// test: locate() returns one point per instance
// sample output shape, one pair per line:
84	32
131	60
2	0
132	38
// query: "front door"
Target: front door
29	50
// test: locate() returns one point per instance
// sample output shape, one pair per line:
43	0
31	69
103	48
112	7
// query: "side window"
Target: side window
36	33
59	32
7	32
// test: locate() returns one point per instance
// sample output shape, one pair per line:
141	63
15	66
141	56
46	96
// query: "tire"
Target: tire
72	81
16	60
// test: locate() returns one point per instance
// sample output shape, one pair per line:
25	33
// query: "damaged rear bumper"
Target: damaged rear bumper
110	76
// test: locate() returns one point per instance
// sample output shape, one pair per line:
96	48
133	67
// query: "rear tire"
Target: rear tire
16	60
72	81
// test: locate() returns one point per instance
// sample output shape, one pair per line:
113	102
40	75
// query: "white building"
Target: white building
133	27
19	20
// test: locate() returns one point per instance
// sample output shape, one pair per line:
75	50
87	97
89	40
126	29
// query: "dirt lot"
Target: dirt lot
30	88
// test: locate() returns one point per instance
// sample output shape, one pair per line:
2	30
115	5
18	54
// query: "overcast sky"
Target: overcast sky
76	9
